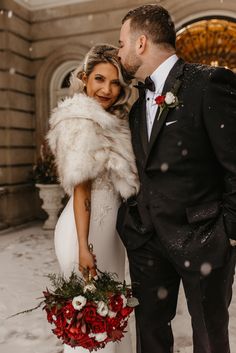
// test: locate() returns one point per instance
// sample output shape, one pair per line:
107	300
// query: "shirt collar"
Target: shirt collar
159	76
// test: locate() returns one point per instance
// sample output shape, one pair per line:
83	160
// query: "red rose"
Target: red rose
51	314
68	311
126	311
88	343
99	326
74	332
89	313
160	100
60	321
58	331
116	335
79	338
112	323
116	302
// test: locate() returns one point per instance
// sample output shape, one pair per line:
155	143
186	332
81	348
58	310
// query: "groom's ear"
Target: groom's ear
141	44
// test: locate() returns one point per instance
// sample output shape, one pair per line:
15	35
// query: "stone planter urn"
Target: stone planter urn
52	195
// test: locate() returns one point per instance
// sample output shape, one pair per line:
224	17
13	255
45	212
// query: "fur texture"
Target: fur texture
88	141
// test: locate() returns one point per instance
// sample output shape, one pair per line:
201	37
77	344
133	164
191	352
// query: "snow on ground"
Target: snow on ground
26	257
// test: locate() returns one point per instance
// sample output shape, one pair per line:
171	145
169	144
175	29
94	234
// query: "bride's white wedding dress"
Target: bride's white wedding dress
92	144
106	243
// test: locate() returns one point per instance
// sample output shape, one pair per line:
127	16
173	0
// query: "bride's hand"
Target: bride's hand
87	263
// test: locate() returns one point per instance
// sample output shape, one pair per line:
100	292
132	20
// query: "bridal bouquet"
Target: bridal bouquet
88	313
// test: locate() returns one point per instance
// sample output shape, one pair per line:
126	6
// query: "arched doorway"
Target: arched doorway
209	41
51	75
60	82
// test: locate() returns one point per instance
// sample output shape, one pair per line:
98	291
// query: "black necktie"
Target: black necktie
148	84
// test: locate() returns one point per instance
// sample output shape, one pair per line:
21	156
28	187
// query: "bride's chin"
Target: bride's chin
105	105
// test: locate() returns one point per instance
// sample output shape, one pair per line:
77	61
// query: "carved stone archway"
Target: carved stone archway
66	53
59	85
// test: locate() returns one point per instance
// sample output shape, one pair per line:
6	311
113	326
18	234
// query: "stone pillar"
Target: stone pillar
17	147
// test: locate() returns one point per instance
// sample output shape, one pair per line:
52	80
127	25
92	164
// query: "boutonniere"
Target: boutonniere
167	101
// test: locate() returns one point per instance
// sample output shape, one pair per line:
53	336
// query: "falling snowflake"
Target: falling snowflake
12	71
184	152
162	293
164	167
150	263
10	14
186	263
206	269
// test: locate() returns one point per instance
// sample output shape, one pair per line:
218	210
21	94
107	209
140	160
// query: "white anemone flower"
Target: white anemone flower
102	308
111	314
79	302
100	337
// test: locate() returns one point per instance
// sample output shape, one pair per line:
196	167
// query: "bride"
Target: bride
90	138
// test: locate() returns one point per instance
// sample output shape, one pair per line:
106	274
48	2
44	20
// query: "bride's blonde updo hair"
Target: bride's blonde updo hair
103	53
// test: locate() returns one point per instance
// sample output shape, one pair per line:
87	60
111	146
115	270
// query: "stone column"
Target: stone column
17	147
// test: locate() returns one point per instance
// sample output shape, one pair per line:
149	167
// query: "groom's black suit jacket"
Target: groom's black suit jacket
187	170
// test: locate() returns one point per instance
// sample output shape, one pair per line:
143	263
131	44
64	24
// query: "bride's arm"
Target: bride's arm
82	210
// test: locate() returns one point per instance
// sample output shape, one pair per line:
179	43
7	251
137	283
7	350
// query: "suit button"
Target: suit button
150	192
142	229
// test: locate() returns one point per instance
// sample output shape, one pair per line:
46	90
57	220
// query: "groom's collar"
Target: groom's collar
160	75
175	73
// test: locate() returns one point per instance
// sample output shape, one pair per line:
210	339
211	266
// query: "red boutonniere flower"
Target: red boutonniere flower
169	100
160	100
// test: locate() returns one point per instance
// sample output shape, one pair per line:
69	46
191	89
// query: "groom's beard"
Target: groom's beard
131	66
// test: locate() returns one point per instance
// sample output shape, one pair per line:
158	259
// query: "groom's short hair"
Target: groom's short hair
155	21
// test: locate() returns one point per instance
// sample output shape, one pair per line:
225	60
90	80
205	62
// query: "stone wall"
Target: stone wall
32	46
17	110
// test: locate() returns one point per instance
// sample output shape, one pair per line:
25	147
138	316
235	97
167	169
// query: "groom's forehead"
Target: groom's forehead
126	27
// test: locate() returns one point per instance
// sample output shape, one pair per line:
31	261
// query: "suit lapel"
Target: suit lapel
138	129
172	83
143	125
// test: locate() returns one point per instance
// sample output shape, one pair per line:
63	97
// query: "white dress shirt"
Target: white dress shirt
159	77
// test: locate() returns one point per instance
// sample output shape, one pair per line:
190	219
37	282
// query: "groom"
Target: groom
182	225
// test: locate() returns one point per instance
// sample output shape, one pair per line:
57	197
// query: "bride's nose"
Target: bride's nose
106	88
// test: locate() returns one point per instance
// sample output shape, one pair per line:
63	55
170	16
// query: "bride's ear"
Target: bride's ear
84	78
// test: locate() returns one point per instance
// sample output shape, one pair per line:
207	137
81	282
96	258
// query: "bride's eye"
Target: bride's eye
98	78
117	83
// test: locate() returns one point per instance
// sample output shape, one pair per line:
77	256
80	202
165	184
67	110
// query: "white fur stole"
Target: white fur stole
88	141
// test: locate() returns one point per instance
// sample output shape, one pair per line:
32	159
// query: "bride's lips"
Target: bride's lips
104	99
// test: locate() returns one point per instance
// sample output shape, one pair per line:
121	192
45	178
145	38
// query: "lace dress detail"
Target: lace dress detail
103	182
103	193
